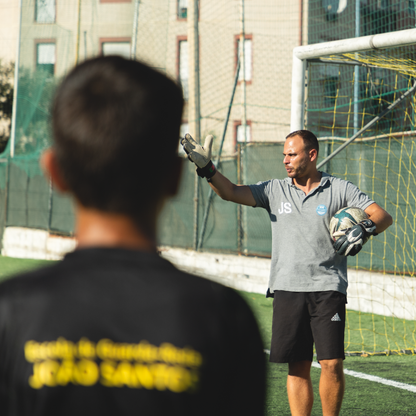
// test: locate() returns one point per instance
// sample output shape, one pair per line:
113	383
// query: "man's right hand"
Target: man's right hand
201	156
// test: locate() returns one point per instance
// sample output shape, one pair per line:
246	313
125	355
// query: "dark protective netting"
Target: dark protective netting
32	202
384	169
54	36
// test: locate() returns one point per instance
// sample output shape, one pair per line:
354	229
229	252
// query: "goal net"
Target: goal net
358	96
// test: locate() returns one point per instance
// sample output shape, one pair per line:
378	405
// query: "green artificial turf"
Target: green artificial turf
362	397
10	266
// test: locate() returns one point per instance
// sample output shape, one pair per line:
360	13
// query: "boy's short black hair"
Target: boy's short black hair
309	139
116	130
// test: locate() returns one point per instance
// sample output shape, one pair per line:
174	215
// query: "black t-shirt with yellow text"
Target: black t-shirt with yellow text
121	332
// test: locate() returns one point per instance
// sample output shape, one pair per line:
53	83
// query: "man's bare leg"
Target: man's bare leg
331	386
299	388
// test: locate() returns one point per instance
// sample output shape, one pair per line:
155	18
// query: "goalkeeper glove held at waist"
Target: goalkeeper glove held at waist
355	237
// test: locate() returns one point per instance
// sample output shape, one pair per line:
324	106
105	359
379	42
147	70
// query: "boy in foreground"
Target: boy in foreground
114	329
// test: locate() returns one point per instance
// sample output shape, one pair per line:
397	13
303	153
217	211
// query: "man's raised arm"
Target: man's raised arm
224	188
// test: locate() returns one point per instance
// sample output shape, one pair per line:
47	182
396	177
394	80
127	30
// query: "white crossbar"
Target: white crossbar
302	53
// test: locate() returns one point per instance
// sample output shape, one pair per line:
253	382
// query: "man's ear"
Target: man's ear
313	154
51	169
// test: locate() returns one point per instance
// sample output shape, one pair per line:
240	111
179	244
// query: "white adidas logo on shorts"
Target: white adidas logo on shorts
336	318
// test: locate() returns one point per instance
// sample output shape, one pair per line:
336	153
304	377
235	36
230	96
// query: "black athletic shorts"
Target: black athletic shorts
301	319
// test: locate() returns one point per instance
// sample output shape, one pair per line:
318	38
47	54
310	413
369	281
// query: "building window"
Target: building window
248	58
239	132
182	9
183	67
45	11
46	57
119	47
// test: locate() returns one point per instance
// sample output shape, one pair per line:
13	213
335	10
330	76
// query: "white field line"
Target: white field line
369	377
376	379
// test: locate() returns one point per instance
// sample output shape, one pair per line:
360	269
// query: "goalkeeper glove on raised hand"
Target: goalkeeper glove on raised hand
355	237
201	156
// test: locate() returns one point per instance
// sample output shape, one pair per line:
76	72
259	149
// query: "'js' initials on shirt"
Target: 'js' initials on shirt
285	207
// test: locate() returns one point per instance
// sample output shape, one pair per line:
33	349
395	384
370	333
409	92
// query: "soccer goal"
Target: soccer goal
359	96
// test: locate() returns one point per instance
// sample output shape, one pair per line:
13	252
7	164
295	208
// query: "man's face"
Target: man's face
296	160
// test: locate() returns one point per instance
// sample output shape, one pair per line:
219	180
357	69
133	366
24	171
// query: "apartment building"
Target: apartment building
56	34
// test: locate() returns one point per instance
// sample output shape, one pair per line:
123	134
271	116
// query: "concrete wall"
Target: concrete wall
35	244
250	274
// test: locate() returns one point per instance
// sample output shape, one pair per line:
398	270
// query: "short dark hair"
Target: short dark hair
116	129
309	139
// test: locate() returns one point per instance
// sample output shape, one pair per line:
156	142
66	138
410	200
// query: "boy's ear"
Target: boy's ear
51	170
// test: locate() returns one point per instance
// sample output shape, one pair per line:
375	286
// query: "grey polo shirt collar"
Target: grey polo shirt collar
324	179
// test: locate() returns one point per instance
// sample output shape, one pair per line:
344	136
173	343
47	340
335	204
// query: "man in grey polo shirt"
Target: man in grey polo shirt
308	276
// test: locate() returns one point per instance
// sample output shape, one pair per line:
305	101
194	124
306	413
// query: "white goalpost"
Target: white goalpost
359	97
302	54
